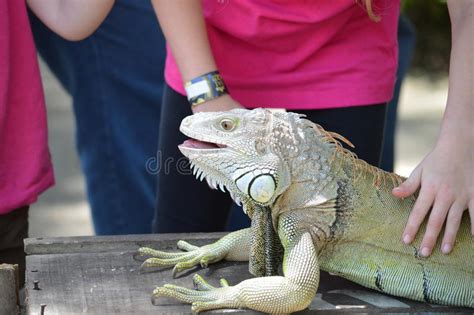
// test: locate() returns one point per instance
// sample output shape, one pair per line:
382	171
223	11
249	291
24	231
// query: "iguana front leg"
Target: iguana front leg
234	247
276	294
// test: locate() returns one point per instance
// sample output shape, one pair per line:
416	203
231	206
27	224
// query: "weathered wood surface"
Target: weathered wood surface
105	244
8	289
97	275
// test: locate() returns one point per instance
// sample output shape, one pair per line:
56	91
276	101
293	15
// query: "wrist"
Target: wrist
453	129
204	88
454	140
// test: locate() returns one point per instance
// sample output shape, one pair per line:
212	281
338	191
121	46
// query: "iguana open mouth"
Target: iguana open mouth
202	145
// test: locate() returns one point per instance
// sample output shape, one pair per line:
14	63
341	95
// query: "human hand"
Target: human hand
446	177
220	104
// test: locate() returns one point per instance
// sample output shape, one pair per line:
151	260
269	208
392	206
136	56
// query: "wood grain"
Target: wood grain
97	275
8	289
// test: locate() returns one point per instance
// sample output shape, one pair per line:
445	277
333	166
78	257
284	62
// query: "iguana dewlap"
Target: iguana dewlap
313	206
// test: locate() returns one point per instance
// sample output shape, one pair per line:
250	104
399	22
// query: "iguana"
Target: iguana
314	205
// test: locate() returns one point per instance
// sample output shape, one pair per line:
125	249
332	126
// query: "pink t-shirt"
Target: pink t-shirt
301	54
25	163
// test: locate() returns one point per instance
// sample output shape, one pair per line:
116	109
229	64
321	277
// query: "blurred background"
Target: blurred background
63	210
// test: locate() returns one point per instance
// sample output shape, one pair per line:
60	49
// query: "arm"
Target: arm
182	22
71	19
446	175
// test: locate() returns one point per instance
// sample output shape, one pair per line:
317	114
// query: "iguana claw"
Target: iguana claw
190	257
202	285
203	297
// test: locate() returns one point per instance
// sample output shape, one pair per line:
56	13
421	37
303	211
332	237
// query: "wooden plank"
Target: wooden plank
9	282
108	283
103	278
101	244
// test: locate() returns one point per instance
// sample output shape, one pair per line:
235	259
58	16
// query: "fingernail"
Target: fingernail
446	248
406	239
425	252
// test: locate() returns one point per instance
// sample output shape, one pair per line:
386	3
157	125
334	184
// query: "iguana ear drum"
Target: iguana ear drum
260	188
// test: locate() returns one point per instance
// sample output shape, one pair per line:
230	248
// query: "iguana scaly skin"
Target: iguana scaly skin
314	206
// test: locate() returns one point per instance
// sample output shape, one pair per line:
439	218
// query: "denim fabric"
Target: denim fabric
406	47
115	78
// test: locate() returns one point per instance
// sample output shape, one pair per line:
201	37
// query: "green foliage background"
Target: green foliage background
433	35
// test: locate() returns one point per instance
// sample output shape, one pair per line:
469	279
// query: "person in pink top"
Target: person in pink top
334	61
25	163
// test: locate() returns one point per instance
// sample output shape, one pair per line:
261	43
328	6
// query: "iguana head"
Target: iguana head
256	154
241	150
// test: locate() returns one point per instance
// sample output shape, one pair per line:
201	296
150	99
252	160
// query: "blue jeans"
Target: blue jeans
115	78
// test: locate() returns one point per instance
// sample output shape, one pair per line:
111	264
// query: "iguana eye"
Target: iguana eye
227	124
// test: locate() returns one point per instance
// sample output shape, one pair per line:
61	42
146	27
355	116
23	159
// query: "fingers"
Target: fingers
201	284
435	224
422	206
180	293
409	186
224	282
198	307
180	266
210	298
452	226
184	290
144	253
209	259
183	245
166	262
446	208
150	264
